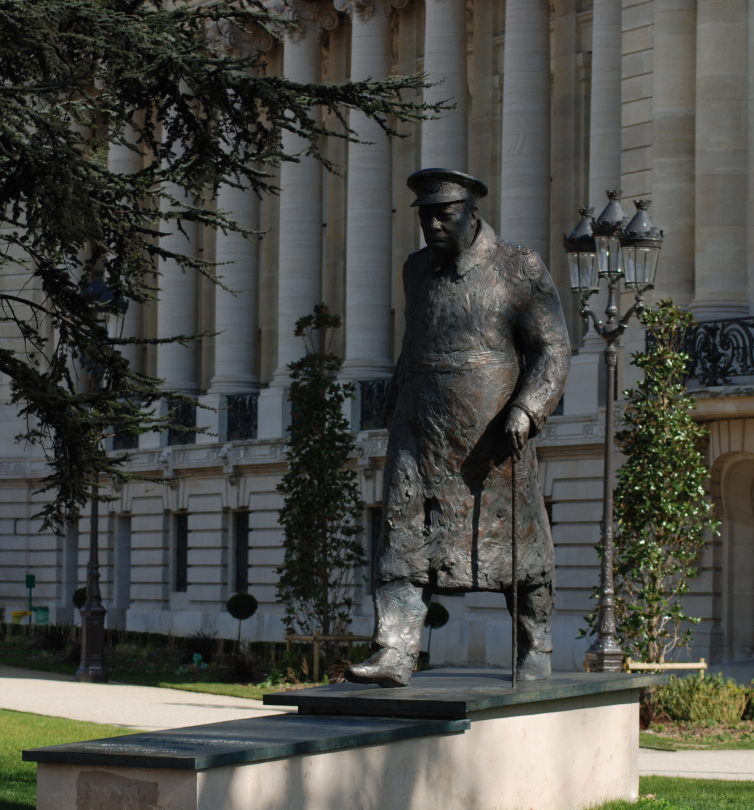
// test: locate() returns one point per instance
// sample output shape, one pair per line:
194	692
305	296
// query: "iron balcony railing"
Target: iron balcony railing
722	352
242	416
373	399
183	422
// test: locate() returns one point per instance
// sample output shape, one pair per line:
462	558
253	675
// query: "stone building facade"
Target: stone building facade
556	102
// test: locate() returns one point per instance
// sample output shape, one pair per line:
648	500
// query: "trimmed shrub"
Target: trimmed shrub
695	699
206	644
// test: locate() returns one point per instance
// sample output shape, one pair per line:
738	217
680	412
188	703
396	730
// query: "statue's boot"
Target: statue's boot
535	608
535	666
400	609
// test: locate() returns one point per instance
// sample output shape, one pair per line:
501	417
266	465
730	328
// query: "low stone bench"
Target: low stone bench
453	740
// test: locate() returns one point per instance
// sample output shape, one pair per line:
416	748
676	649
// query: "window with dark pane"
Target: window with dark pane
548	509
241	532
183	421
181	552
375	527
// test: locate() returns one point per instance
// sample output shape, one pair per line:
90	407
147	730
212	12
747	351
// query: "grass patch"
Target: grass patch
18	780
706	736
656	742
671	793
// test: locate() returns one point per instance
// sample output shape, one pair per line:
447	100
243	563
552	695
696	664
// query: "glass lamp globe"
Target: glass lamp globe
581	251
607	227
641	242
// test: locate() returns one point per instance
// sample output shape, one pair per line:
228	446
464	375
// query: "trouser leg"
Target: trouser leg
536	603
400	608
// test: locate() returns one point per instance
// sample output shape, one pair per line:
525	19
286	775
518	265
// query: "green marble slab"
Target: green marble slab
237	742
454	693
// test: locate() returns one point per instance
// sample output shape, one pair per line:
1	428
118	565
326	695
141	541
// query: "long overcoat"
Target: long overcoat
484	333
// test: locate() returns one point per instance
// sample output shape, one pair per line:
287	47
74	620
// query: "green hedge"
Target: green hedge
697	699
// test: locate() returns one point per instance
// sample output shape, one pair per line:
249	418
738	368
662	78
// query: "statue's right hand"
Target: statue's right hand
517	431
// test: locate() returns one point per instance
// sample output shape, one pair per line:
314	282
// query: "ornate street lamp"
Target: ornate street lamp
630	252
92	667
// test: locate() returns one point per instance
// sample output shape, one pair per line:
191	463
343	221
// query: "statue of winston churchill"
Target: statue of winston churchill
483	364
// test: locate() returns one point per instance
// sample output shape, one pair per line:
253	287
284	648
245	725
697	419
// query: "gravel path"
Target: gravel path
142	707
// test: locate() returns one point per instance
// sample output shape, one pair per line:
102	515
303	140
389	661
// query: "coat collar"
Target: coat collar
484	242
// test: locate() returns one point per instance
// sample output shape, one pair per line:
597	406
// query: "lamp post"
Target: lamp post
606	248
92	668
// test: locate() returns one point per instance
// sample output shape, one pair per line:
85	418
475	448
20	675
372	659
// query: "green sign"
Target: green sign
31	581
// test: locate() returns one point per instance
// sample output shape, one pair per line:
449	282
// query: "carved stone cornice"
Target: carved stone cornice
309	17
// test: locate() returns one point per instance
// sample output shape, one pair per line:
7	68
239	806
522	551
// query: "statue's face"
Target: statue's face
449	228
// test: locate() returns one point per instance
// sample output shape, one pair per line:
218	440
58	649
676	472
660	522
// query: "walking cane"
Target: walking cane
514	570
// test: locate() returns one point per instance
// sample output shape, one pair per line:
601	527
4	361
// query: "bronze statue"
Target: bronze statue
483	364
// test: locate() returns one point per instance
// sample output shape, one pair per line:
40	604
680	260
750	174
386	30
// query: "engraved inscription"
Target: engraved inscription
99	790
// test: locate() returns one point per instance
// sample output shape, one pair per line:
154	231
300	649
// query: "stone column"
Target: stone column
369	246
300	229
604	129
445	141
125	161
721	160
268	255
750	223
673	125
407	160
300	219
565	203
237	312
336	189
605	116
177	311
525	171
483	107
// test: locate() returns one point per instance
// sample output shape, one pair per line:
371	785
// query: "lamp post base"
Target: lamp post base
604	660
92	668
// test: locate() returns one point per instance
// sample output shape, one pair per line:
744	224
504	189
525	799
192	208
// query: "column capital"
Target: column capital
242	42
365	9
309	17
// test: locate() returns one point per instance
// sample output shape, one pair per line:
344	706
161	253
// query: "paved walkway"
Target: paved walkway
150	708
143	707
697	764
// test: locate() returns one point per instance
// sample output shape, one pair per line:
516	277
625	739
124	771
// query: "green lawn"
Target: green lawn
18	730
721	742
689	794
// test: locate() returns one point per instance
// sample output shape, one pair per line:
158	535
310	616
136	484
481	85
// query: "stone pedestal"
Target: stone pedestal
454	739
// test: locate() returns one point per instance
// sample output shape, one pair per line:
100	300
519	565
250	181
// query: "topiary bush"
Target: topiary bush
437	617
242	606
